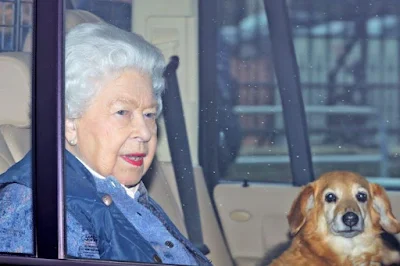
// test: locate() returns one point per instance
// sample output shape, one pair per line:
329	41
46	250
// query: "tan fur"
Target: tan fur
315	244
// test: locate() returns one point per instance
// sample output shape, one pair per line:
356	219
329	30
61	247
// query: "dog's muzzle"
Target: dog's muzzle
347	225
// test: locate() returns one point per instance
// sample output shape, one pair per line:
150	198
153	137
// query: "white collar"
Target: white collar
130	191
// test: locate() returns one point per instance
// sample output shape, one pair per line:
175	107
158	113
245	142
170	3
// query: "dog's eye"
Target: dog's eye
361	197
330	197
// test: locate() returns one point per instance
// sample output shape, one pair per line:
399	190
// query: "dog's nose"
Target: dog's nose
350	219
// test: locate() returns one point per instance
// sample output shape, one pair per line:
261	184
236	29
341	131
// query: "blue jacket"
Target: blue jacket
121	241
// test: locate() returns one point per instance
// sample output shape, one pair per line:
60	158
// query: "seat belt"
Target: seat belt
180	155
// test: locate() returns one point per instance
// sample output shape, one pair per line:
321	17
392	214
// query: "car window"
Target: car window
251	142
348	63
15	23
348	57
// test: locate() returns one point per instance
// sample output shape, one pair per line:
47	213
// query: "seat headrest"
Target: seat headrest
15	89
73	17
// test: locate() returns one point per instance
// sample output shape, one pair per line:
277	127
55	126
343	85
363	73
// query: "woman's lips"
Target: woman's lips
135	159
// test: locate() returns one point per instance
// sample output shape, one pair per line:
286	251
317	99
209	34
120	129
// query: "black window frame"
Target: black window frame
47	127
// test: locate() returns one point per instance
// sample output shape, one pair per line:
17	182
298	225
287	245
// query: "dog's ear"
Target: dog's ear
298	212
381	204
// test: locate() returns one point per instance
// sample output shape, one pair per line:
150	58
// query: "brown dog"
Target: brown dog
337	220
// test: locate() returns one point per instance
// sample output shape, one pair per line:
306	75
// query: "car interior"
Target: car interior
241	222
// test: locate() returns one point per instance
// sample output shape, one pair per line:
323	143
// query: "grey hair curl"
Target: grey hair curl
95	52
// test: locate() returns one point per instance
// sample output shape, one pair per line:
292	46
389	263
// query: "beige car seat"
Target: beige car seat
15	98
15	95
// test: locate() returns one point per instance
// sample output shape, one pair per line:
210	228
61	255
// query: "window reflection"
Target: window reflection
252	140
15	23
116	12
348	55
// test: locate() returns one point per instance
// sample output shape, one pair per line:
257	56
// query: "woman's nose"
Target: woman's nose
141	130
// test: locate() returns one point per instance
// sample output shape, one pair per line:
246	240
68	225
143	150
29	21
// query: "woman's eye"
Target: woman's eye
361	197
122	112
330	197
150	115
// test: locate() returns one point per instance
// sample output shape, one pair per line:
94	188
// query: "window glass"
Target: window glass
117	12
15	23
348	56
15	128
252	142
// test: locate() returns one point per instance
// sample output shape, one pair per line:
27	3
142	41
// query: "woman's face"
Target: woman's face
117	135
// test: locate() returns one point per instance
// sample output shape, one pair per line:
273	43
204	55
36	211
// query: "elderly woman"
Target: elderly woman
113	87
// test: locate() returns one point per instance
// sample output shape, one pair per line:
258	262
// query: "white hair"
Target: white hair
96	52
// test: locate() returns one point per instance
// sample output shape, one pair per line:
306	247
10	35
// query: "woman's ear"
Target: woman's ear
298	212
381	204
71	134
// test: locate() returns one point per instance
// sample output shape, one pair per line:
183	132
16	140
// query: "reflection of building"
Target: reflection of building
15	23
346	56
251	67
